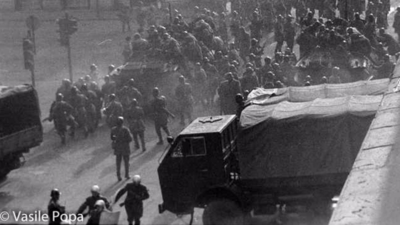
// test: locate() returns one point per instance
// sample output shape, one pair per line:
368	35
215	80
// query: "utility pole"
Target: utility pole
29	59
68	26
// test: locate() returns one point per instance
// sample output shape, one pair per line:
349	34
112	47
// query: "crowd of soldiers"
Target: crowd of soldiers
222	54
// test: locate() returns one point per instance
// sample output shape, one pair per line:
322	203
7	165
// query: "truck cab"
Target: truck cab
202	157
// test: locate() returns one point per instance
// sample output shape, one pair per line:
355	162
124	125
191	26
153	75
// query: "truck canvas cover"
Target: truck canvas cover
19	109
261	96
290	139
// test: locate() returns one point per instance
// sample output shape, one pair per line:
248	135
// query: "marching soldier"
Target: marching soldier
227	91
289	33
113	111
160	114
78	103
121	137
183	94
90	106
129	92
107	89
61	112
135	117
65	89
136	194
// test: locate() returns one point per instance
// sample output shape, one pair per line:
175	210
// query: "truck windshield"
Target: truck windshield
190	146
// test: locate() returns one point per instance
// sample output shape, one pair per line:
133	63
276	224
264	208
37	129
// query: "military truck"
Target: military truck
277	159
148	72
20	125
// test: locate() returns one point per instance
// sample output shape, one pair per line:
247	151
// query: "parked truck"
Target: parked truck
20	125
275	161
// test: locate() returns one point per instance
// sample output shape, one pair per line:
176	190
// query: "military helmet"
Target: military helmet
100	203
93	67
137	179
120	121
134	102
131	82
156	92
112	97
95	189
239	98
55	193
59	97
111	67
74	90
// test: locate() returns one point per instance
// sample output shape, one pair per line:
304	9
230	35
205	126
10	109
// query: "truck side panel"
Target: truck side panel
20	141
306	147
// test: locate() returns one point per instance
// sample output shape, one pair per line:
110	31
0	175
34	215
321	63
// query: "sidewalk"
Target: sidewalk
371	194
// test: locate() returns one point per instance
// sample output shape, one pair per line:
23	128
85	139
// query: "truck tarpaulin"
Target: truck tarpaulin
19	109
261	96
305	138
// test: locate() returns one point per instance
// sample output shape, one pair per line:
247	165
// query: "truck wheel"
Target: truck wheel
223	212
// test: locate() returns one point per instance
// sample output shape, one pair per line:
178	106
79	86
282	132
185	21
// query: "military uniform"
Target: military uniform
113	111
78	103
227	92
183	94
61	113
136	193
52	208
121	137
135	117
160	116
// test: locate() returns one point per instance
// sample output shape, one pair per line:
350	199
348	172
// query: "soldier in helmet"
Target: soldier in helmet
227	91
171	49
139	46
256	26
385	70
129	92
61	112
90	204
113	111
183	94
78	103
65	89
136	194
279	33
289	32
160	114
121	137
107	89
90	106
54	208
135	117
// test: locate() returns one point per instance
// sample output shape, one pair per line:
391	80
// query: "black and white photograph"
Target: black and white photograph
200	112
